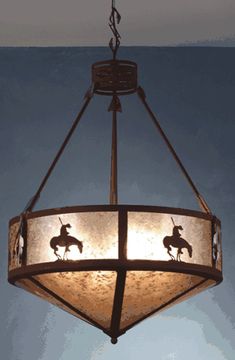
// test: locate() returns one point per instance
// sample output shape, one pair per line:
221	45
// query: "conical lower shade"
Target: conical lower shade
89	293
113	266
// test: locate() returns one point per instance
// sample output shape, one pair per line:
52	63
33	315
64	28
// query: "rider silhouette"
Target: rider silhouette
63	230
175	233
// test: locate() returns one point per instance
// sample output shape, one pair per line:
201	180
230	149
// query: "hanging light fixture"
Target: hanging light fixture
114	265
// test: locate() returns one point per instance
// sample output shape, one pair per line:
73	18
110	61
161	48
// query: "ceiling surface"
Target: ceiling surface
85	22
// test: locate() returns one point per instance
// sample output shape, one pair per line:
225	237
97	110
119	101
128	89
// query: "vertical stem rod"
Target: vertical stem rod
113	176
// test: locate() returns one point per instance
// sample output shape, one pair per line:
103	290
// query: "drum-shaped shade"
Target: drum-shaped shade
115	265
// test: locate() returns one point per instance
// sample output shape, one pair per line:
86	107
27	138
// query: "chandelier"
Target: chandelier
115	265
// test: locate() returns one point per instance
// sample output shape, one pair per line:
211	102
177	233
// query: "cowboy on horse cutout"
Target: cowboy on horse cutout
64	240
176	241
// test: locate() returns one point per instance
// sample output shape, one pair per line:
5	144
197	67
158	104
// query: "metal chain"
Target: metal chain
114	19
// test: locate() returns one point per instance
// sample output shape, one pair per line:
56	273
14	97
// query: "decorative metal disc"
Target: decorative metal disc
114	77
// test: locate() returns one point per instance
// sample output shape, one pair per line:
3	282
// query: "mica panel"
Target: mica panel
146	232
218	242
91	292
206	284
29	286
146	291
13	243
98	232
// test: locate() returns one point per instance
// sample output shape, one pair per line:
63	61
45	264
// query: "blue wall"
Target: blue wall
192	91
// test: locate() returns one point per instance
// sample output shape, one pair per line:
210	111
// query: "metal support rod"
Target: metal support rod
59	153
117	305
200	198
113	175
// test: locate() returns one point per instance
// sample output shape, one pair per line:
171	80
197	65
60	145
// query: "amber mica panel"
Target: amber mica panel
203	285
146	291
13	243
98	232
91	292
147	231
34	289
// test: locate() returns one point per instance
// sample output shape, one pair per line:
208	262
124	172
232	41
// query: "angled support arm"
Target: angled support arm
199	197
22	231
29	207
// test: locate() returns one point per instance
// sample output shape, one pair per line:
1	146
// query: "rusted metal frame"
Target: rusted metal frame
213	261
117	67
139	208
114	168
111	76
122	235
121	62
22	231
115	265
117	304
65	303
60	151
220	244
66	210
215	227
121	276
161	307
200	198
119	92
25	237
130	208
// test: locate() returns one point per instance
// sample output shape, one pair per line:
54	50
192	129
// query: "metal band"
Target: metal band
119	207
115	265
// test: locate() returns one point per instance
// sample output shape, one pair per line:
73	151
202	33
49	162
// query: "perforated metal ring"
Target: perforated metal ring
114	76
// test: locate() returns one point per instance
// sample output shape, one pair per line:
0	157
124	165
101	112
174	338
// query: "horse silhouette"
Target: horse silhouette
64	240
178	242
